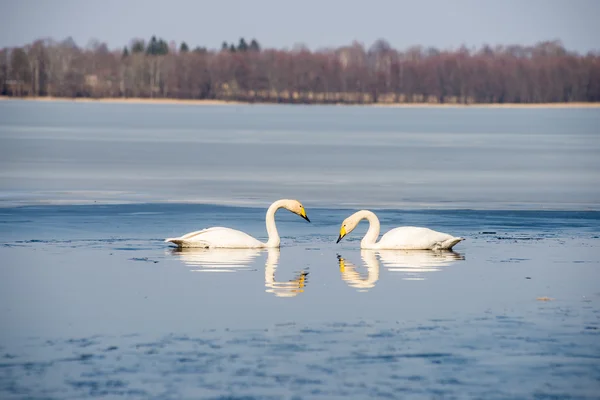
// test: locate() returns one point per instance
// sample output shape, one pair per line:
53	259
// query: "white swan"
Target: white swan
219	237
402	238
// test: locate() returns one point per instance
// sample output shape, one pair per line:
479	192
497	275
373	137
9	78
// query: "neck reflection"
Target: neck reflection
289	288
350	275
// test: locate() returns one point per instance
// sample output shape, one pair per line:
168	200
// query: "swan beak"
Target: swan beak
342	234
303	215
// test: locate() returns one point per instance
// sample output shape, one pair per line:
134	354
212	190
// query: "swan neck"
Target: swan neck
373	232
274	239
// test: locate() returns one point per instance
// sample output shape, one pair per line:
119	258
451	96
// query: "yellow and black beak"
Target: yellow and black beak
342	233
303	214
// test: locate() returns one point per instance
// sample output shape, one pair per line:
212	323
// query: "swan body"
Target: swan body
401	238
221	237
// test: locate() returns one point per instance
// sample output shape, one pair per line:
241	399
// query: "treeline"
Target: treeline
243	71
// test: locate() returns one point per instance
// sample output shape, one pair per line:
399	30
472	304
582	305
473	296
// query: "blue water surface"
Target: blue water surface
95	304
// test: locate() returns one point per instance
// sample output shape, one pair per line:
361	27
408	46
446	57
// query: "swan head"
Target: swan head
296	207
348	225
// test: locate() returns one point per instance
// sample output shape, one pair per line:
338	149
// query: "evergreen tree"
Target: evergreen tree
184	48
137	46
254	46
162	48
242	46
224	46
157	47
232	48
152	45
125	52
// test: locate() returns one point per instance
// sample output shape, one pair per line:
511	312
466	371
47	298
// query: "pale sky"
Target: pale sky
445	24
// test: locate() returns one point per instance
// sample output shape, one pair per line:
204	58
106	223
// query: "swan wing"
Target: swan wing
191	235
217	237
417	238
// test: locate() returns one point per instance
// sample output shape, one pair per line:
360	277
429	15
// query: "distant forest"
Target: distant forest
243	71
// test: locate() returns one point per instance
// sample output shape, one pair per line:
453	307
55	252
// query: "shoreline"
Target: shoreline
197	102
263	205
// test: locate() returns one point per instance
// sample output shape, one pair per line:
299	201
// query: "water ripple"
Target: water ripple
362	359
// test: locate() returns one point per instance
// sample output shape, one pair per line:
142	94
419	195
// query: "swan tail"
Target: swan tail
178	241
450	243
181	242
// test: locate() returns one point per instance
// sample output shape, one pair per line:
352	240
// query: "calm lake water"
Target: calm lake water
326	156
93	304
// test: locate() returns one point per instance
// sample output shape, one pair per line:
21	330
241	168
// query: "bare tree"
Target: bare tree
546	72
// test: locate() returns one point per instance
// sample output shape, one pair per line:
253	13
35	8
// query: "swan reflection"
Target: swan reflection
216	260
353	278
412	264
232	260
284	288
